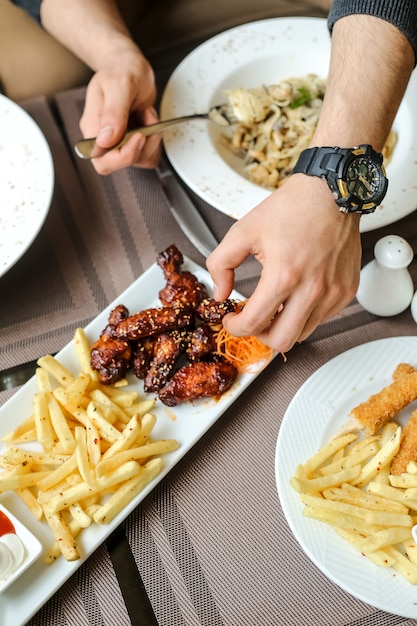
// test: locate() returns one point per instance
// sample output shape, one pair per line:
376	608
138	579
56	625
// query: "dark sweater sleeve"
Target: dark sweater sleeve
400	13
33	7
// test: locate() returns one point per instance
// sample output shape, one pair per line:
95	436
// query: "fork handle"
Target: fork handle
88	149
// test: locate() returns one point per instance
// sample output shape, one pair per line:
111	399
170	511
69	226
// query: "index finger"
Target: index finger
259	311
106	111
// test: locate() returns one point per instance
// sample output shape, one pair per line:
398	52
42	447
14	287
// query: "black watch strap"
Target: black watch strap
319	161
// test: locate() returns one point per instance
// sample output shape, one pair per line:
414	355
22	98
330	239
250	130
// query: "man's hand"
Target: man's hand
310	255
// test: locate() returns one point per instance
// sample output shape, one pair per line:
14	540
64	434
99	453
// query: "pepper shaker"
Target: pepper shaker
386	287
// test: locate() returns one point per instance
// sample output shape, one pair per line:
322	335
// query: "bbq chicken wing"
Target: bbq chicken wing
111	357
182	287
202	343
142	356
168	347
151	322
200	379
213	311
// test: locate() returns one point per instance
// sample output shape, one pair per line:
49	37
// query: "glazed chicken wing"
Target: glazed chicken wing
202	343
182	288
200	379
111	357
153	321
142	356
213	311
168	347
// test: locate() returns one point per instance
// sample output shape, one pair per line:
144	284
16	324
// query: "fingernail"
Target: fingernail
215	291
105	132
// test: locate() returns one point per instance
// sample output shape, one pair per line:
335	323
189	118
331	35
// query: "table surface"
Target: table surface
210	545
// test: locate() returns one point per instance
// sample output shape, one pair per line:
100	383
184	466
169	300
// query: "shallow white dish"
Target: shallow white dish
314	415
21	601
26	182
32	549
257	53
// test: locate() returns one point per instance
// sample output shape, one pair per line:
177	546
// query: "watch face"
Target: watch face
364	179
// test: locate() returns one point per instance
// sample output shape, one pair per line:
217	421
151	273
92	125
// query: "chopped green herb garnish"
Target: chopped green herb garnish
301	99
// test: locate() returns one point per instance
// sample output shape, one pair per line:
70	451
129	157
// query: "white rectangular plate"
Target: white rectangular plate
24	598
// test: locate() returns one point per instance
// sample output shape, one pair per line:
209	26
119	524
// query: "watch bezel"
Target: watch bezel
348	202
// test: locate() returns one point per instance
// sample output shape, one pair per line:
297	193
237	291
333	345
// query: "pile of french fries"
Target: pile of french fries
348	485
95	454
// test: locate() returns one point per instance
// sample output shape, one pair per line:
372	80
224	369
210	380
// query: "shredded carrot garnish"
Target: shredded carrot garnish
242	351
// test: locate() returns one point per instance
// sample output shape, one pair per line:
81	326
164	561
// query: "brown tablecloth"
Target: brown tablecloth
211	542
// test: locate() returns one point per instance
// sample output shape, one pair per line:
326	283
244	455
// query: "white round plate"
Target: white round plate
317	411
26	182
257	53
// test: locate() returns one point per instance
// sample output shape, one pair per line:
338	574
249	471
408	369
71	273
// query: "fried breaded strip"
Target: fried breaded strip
382	406
408	447
402	370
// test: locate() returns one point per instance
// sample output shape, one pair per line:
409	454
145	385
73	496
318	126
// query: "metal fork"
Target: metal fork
221	114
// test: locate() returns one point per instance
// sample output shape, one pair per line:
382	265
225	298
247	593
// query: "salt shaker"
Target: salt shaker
386	287
414	307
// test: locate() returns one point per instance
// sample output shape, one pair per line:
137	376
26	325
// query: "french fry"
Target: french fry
371	516
315	485
15	456
56	370
102	399
340	520
327	450
43	424
379	557
74	527
134	454
20	433
96	452
81	490
105	428
60	426
72	396
63	535
140	408
404	566
368	499
130	435
19	481
384	538
81	454
362	454
28	497
83	352
42	380
380	460
79	515
60	474
122	398
403	481
93	444
127	492
407	497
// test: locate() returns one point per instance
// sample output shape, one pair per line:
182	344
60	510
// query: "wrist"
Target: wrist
355	176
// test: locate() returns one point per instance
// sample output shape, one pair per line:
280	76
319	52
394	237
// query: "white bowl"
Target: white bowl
32	549
251	55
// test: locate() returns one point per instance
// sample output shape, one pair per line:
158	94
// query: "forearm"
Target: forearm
371	62
98	31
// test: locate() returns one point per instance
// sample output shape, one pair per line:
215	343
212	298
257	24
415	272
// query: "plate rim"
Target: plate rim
49	169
